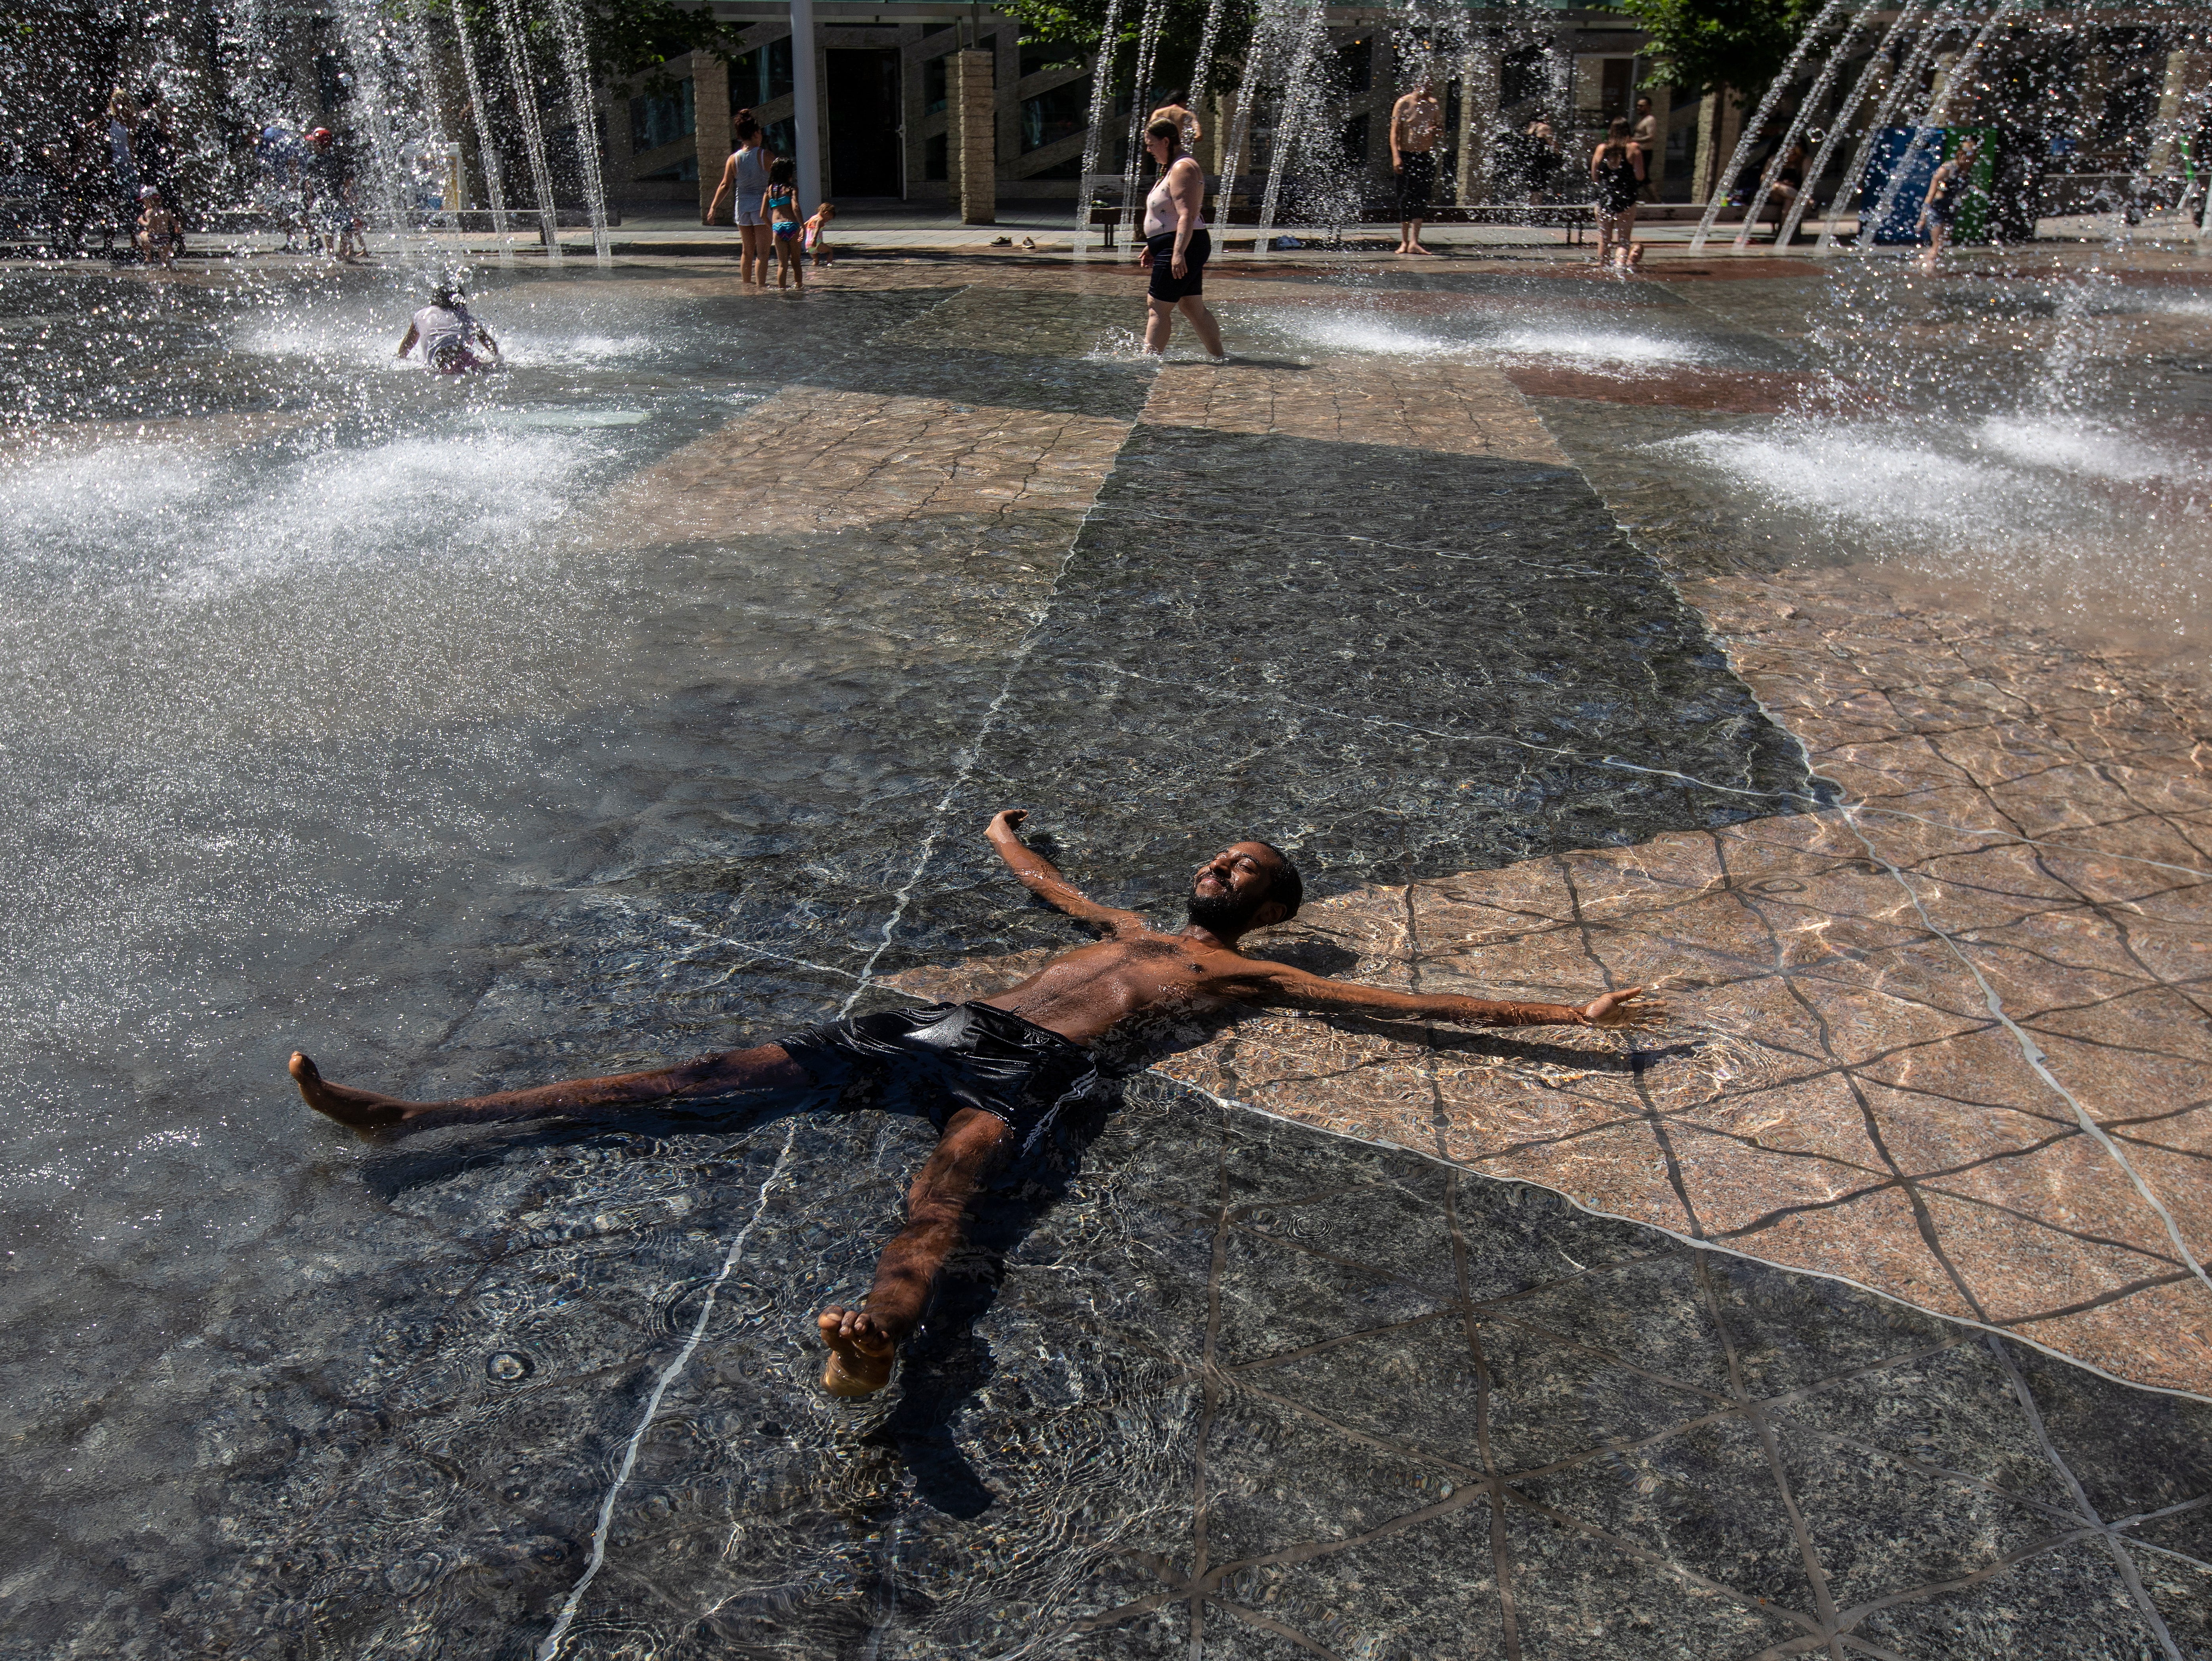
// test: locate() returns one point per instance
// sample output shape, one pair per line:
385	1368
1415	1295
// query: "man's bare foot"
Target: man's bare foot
861	1353
364	1110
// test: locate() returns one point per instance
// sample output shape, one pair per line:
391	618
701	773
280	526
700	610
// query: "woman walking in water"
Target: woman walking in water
1176	244
1616	167
1945	191
744	182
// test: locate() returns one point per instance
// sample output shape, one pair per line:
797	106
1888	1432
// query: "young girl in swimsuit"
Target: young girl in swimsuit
780	208
1617	171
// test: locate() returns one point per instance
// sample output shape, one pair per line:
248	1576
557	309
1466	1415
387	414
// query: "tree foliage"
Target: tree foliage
1701	45
1078	25
622	38
629	37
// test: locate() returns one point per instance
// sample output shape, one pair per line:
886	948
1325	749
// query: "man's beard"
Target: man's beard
1223	910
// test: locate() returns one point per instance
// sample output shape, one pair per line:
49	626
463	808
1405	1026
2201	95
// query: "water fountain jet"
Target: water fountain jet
486	151
533	132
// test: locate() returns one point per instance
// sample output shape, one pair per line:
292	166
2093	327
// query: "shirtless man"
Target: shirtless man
1417	121
1184	117
998	1068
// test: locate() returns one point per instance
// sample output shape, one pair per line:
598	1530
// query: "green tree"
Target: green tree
623	38
1077	25
1702	45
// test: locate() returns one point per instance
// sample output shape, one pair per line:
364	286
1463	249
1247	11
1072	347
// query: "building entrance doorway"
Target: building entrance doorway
864	147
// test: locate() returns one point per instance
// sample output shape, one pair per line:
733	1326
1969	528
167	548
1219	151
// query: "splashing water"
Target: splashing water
1596	346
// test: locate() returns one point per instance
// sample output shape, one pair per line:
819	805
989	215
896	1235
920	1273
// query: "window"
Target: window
936	75
1355	140
688	169
1525	74
333	86
658	118
761	74
936	158
1619	87
1051	116
1038	56
1355	68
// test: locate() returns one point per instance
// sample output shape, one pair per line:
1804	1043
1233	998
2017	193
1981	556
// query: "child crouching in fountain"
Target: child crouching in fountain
780	208
817	238
160	235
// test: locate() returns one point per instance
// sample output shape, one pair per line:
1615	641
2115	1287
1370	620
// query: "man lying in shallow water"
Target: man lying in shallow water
994	1070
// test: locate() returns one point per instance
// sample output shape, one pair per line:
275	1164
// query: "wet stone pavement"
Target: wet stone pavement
1292	1345
1203	1376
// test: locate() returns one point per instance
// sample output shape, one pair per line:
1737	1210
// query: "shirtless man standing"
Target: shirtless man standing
1417	121
1184	117
998	1068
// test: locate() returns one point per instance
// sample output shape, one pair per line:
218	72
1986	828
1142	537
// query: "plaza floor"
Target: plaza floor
1859	1308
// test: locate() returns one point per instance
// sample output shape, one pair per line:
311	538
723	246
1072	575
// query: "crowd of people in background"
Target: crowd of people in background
119	181
306	184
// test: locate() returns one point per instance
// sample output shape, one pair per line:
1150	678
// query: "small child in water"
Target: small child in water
780	208
161	234
450	334
816	236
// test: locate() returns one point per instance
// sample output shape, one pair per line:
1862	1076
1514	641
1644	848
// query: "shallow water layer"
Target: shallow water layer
648	699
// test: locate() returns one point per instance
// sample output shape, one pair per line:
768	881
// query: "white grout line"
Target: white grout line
973	754
1698	1241
552	1647
1816	804
2032	1053
2143	1604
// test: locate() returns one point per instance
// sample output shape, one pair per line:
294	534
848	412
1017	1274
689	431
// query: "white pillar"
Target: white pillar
806	118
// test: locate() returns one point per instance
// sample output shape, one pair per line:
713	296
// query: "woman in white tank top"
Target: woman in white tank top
1176	243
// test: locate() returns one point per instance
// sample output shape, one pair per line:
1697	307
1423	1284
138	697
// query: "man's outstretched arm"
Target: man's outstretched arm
1295	987
1041	878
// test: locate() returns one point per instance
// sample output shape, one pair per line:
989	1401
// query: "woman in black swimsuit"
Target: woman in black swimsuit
1616	168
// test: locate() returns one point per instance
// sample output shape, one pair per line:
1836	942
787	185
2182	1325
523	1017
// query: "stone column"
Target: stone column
2095	81
1701	167
619	160
1477	123
973	101
1216	142
710	113
2180	107
1720	124
1662	125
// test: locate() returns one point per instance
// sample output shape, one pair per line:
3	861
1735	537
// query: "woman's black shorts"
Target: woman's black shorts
1166	285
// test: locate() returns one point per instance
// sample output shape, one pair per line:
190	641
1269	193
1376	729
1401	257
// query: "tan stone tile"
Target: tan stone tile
2186	1129
2182	1180
813	460
2160	1335
2072	1186
1610	1165
1452	408
2019	1267
2035	968
1976	1084
1872	1240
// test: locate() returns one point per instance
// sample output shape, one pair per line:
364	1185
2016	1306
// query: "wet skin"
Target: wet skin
1080	994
